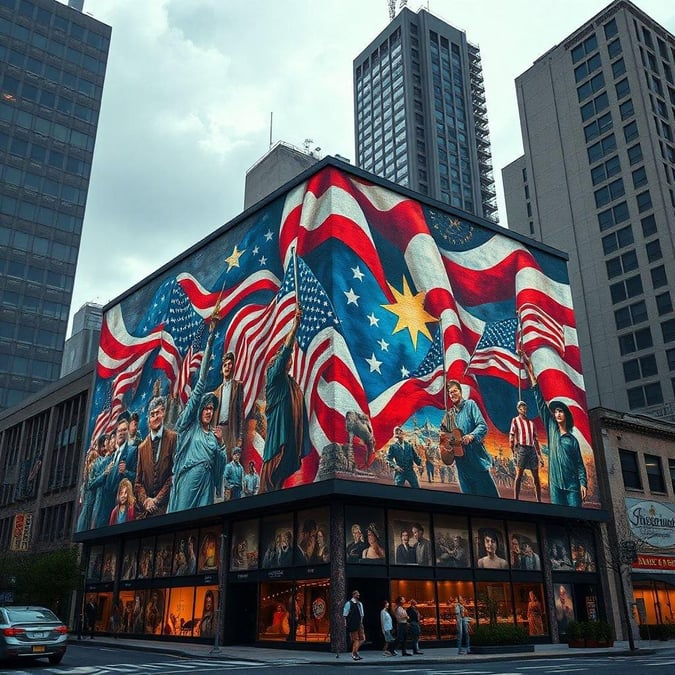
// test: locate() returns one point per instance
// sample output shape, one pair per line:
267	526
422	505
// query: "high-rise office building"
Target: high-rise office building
597	179
52	65
420	118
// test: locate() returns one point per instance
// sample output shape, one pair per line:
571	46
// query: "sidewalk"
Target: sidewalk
370	656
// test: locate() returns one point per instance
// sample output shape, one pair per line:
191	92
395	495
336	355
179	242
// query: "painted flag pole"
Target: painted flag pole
520	356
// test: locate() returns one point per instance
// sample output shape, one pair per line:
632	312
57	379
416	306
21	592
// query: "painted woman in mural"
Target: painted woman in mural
287	441
87	495
198	458
566	471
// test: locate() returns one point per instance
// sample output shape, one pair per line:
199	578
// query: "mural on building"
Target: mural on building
342	331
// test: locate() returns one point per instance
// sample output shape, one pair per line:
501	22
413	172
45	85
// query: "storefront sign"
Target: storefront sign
21	535
665	563
652	523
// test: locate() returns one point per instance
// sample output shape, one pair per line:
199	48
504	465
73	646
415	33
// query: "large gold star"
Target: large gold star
410	311
233	259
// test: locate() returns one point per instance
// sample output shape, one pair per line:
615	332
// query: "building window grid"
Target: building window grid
630	470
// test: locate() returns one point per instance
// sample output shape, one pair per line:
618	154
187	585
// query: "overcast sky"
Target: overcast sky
190	86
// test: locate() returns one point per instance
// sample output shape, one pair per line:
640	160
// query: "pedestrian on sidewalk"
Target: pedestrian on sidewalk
401	617
353	614
414	630
90	616
462	621
387	625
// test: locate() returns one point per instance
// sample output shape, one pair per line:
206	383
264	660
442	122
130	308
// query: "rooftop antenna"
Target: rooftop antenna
392	9
271	116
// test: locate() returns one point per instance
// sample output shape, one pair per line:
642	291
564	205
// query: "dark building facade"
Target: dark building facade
219	474
420	117
52	66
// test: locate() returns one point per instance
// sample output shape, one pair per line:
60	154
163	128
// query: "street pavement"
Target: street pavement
371	656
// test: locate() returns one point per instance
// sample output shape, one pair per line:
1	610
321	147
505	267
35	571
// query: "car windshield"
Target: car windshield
29	614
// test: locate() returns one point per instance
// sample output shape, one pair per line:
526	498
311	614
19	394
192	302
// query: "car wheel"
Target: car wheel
55	659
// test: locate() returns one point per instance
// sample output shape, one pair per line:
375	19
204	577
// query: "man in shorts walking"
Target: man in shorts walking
353	614
525	449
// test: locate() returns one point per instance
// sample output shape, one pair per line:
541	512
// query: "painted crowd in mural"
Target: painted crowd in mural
342	331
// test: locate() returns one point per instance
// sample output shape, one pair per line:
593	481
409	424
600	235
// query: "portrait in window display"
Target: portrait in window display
129	560
185	554
277	542
179	612
154	611
523	547
559	548
95	565
489	547
146	558
564	606
206	603
583	551
451	542
164	556
409	543
365	535
244	551
209	548
313	537
134	615
109	565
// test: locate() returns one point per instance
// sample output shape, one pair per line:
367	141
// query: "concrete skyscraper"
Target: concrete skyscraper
420	118
52	66
597	180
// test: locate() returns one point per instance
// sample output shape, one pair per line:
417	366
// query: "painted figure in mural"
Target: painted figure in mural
155	463
529	560
229	415
287	441
491	560
473	467
122	465
234	475
430	457
251	481
134	434
401	457
322	553
357	545
566	471
422	545
199	456
125	510
525	449
87	496
307	542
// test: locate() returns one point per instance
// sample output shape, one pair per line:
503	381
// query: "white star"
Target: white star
404	372
255	250
268	235
384	345
374	364
374	321
352	298
263	260
358	274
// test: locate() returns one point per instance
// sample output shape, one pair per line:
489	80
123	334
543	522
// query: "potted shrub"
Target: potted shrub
499	638
605	633
591	633
575	634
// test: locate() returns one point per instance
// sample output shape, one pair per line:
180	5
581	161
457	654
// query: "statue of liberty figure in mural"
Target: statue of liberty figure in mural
199	458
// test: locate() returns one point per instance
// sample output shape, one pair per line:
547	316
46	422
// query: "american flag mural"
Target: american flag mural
390	296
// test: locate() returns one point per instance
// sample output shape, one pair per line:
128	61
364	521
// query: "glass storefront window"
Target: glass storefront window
448	592
179	612
209	550
424	592
494	601
295	611
408	540
129	560
451	538
365	535
524	551
313	537
244	552
164	555
530	608
489	544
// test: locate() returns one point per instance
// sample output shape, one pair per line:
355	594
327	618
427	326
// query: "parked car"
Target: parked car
31	632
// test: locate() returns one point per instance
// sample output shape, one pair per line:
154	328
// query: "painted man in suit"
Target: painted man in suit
230	412
155	463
